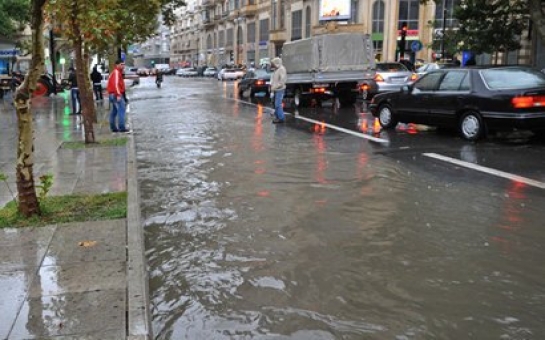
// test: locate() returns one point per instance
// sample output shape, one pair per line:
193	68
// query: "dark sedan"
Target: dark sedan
476	101
257	80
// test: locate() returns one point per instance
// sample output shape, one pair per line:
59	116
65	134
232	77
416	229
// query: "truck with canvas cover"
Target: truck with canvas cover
338	66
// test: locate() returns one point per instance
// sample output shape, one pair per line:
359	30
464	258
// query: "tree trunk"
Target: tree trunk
86	98
537	13
28	201
87	104
88	85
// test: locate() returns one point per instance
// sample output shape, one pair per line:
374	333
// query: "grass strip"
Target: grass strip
68	208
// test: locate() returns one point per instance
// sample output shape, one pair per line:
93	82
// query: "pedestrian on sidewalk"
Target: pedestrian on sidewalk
278	87
96	78
74	92
116	90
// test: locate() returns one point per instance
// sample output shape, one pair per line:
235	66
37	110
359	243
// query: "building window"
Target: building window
251	32
229	37
355	11
240	40
264	30
378	17
297	25
449	5
282	14
408	12
274	13
222	39
308	22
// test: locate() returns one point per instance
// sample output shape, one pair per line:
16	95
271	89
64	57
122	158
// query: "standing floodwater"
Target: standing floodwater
262	231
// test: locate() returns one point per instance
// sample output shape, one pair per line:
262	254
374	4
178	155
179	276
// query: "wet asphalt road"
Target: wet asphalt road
300	231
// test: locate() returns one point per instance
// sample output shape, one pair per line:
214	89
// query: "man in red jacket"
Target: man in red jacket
116	89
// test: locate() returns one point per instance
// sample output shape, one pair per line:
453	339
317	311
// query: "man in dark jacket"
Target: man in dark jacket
96	78
74	92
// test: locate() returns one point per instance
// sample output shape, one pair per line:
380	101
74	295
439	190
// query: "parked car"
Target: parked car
130	79
187	72
392	76
428	67
476	100
131	76
219	75
143	72
231	74
210	72
256	81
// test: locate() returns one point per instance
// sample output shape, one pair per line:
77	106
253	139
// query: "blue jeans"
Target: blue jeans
118	109
76	105
278	110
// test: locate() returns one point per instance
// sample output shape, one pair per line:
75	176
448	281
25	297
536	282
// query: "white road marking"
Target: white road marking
333	127
490	171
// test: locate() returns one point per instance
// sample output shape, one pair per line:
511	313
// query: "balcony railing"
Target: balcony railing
248	10
278	35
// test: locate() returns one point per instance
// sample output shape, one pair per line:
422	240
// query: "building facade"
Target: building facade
220	32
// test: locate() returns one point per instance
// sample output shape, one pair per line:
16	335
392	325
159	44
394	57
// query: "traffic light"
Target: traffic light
403	34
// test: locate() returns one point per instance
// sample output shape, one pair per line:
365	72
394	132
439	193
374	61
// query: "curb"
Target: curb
138	311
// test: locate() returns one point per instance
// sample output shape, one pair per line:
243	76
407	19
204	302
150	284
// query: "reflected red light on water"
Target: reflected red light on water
263	193
364	126
411	129
376	126
320	128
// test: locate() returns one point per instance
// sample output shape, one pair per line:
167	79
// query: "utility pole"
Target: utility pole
53	58
403	33
443	35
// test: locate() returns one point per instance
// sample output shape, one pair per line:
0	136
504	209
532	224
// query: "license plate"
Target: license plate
320	85
398	80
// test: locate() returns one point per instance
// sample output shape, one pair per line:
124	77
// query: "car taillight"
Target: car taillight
414	76
318	90
378	78
259	82
364	87
528	101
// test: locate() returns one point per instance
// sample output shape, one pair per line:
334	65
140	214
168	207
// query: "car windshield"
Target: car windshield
391	67
513	78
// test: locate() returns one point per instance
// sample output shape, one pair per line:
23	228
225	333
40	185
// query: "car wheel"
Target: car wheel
386	117
252	93
336	104
471	126
298	99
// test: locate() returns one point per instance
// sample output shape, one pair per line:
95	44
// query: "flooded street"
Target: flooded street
298	231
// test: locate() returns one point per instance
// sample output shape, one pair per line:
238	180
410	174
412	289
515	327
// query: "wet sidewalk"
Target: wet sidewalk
76	280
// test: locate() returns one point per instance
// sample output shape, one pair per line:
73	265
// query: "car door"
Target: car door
246	80
414	104
447	99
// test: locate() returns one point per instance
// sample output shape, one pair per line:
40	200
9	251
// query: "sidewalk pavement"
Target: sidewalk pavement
54	285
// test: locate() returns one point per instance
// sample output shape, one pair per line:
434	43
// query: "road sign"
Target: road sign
123	56
416	45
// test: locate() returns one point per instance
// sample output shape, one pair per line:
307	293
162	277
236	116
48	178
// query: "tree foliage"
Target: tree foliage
14	16
490	26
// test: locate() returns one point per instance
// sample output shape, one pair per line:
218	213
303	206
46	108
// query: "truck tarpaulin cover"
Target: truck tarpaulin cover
329	53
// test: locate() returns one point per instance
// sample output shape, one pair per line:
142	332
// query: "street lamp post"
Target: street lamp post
443	28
